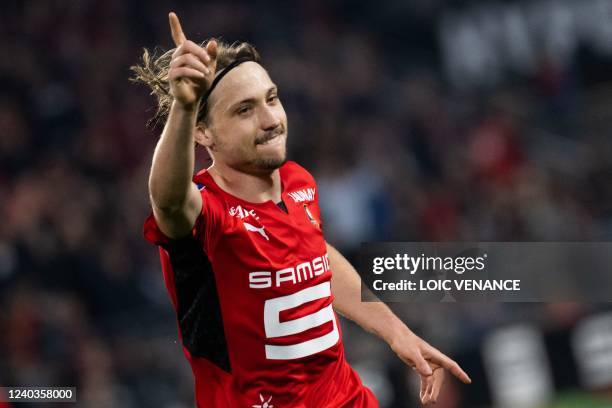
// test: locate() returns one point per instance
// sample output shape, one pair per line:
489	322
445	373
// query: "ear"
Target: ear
204	136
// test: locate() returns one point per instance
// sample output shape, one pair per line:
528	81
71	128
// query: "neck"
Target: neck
254	187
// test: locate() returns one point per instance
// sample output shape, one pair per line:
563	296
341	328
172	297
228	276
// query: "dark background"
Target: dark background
422	120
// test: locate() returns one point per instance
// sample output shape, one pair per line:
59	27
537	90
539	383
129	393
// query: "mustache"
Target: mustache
279	130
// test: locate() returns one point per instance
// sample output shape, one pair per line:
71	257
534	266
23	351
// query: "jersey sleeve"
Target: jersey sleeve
206	221
154	234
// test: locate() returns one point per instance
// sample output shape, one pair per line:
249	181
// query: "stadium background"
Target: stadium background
421	119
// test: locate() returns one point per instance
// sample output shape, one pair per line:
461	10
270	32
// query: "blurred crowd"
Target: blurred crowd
397	152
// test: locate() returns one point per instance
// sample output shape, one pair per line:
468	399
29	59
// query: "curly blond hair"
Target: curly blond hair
153	72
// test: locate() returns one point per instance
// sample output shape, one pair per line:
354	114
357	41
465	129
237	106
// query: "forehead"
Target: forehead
247	80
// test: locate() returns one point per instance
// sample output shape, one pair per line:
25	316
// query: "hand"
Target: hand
431	384
429	363
192	67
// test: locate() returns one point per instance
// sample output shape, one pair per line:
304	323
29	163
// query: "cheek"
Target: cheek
245	131
280	113
235	130
239	135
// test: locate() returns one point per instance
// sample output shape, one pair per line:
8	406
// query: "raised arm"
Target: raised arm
175	199
377	318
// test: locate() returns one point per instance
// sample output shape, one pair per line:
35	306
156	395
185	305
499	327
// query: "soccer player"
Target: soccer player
254	284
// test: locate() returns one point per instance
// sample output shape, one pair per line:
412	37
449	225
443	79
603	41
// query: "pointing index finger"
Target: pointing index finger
451	365
175	27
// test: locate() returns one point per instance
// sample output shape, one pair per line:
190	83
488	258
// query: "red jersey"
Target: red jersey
251	286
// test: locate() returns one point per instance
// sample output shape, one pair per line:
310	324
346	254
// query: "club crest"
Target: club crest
311	217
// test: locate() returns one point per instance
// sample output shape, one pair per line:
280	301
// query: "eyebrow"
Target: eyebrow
232	107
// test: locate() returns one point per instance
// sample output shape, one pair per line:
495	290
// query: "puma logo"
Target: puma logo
252	228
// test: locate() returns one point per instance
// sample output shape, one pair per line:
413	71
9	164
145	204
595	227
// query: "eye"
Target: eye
272	98
243	110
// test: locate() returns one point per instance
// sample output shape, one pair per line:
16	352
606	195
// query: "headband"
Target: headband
223	73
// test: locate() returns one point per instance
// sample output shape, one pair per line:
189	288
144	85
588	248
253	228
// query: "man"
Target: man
243	253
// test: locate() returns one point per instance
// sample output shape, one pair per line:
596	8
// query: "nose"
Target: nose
268	118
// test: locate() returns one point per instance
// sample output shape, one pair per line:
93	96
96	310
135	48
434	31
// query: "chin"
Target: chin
269	163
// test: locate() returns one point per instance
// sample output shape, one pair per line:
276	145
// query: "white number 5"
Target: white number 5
275	328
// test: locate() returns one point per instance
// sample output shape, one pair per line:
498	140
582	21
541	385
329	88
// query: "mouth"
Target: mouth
271	139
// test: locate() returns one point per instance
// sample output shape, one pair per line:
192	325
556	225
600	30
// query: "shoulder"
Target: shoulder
294	174
298	183
213	202
207	186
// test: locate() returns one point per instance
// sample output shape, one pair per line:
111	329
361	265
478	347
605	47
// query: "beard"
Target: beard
268	163
247	158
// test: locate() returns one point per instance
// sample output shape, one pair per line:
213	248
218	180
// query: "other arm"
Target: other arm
377	318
